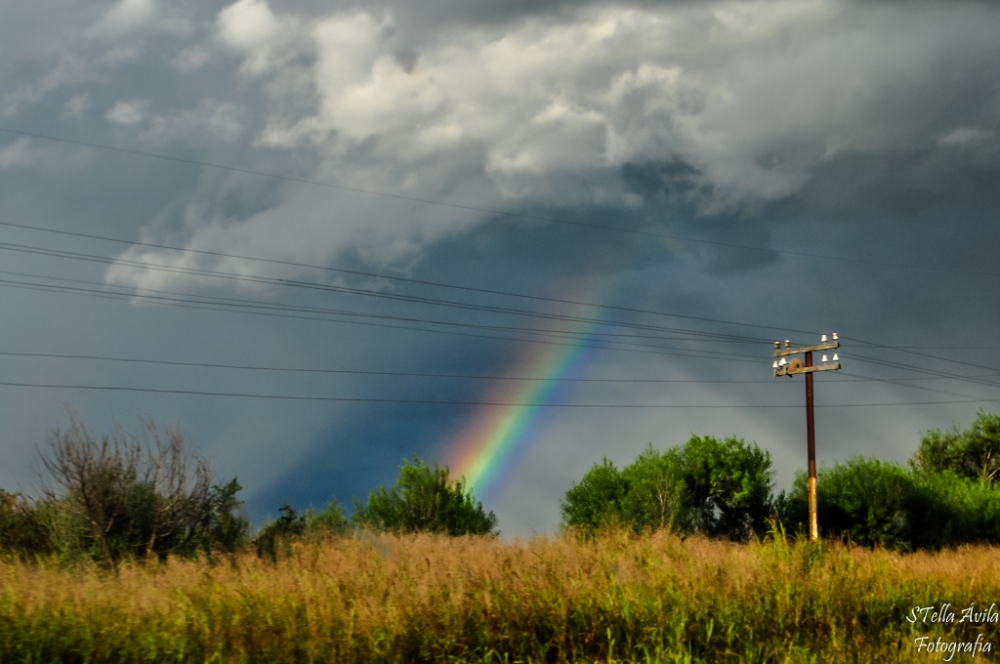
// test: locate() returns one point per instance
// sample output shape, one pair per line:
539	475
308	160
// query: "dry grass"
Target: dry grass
415	599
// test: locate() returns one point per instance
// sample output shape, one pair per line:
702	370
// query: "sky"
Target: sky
511	238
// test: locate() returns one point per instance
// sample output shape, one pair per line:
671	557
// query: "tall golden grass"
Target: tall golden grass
616	597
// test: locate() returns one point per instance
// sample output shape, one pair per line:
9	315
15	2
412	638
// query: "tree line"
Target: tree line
946	495
148	496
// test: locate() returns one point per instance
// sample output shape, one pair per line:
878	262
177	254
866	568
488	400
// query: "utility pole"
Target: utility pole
797	366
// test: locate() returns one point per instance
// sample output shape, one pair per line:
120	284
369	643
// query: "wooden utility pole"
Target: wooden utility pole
792	368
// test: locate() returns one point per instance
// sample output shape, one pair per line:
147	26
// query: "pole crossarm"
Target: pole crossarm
807	349
788	370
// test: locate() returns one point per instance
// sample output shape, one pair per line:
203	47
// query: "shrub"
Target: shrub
951	510
332	519
23	532
879	503
865	501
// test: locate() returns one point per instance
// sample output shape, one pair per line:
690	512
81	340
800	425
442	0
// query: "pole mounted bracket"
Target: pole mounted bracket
793	369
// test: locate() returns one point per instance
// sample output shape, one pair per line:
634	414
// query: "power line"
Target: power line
212	302
908	367
262	309
890	381
62	356
206	302
913	352
456	403
433	301
451	303
375	275
857	378
473	208
711	336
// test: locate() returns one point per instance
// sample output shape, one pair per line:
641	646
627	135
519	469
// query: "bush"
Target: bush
23	532
331	520
879	503
951	510
424	500
865	501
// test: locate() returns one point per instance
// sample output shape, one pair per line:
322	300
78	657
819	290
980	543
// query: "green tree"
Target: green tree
597	500
656	495
729	486
973	453
719	488
949	510
424	500
221	525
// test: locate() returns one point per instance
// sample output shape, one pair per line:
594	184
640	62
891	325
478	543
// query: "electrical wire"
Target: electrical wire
855	378
263	309
443	402
376	275
708	336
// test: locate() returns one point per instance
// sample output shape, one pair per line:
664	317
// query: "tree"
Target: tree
729	486
973	453
718	488
597	500
221	526
657	497
424	500
139	495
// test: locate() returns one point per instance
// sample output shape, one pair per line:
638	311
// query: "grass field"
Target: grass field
415	599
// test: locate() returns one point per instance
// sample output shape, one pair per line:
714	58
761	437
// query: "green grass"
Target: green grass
437	599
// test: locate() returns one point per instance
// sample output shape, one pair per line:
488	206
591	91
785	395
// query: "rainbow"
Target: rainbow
490	450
